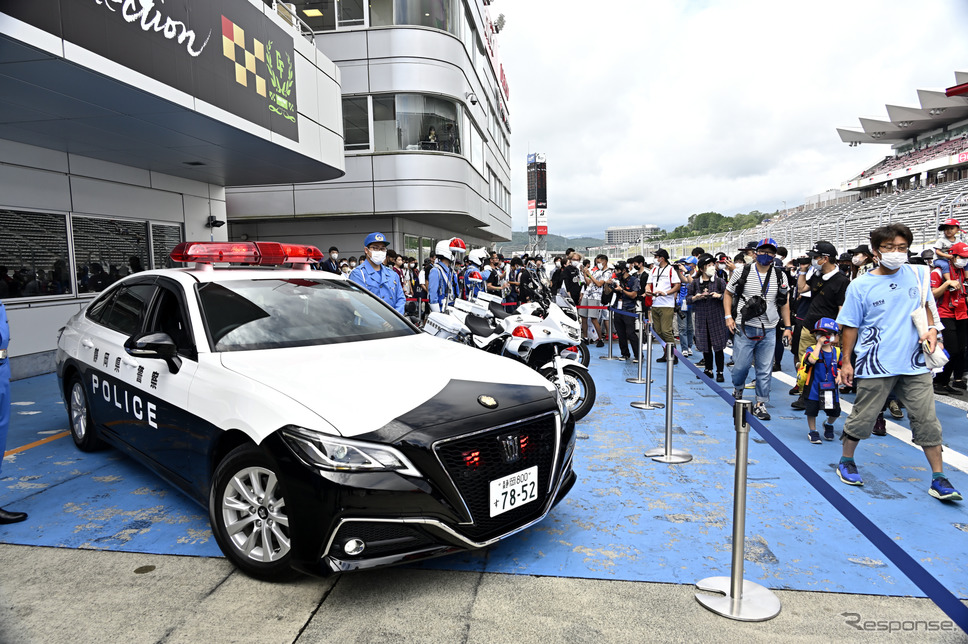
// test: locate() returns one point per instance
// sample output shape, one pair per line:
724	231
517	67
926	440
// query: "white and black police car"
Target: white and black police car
264	394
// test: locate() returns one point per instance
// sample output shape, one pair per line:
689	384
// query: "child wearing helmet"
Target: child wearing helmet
820	373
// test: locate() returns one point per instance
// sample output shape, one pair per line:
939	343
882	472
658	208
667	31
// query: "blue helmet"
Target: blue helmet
769	241
826	325
374	237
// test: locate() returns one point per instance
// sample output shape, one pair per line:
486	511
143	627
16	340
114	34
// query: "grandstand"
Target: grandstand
924	182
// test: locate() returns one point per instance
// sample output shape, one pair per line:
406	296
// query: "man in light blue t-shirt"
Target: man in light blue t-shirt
876	325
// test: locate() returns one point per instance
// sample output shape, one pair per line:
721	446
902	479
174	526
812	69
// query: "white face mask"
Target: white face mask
352	264
710	270
335	256
739	264
601	264
815	263
893	261
961	262
858	260
378	256
557	264
576	264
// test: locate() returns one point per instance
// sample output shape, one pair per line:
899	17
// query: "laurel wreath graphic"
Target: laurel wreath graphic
281	79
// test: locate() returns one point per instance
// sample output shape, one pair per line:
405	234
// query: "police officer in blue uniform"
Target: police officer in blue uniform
475	259
5	516
442	284
378	279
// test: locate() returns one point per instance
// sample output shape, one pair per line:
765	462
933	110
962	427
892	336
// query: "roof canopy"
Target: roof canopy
906	123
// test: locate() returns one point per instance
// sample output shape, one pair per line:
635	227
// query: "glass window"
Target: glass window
381	13
107	249
320	15
437	14
350	13
356	123
411	246
245	315
127	309
169	317
164	237
415	122
33	255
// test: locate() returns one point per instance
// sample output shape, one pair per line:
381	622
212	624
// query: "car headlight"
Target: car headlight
336	454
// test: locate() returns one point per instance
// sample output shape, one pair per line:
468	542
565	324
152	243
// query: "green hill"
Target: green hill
554	242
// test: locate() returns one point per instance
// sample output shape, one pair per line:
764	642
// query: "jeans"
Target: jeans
686	332
754	353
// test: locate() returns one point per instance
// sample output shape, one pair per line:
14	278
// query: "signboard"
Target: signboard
963	157
537	194
226	53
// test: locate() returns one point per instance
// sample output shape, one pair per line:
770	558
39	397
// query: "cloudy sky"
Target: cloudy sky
652	110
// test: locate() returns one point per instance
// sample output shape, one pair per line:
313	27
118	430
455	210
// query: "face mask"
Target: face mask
710	270
378	256
557	264
335	256
763	259
352	264
601	265
346	269
739	264
893	261
576	264
815	263
961	262
858	260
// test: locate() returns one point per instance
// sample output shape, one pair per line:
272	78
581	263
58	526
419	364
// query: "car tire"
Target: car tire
247	510
79	413
581	397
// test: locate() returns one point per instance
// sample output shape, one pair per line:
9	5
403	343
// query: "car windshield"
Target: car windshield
244	315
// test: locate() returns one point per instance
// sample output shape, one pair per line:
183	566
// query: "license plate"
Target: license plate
514	490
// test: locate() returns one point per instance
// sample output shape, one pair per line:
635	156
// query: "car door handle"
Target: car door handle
88	344
130	363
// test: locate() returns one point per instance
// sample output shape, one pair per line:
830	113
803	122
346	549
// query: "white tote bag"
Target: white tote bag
938	358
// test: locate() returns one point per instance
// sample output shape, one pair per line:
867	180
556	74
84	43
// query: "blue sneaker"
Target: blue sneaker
814	437
848	474
828	432
941	489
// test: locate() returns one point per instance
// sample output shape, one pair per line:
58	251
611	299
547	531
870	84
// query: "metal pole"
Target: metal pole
647	404
666	454
611	331
736	597
639	379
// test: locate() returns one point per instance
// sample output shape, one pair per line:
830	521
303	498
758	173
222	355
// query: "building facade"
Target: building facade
630	234
121	123
426	121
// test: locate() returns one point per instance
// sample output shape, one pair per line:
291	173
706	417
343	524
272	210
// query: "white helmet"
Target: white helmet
477	256
443	250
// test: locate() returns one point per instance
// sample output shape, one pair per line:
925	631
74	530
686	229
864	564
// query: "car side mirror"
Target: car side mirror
154	346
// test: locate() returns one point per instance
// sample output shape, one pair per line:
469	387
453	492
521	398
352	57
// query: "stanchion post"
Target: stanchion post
647	403
639	379
611	330
738	598
666	454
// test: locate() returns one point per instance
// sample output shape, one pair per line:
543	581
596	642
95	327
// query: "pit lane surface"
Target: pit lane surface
628	518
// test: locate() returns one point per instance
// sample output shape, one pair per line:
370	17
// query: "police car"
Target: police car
230	383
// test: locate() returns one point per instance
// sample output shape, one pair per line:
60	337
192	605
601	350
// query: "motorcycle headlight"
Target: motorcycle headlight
336	454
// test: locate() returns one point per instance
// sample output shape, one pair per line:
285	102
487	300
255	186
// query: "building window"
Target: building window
107	249
415	122
164	237
436	14
320	15
356	123
33	255
350	13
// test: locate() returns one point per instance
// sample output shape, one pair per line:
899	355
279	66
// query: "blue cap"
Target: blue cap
374	237
826	325
769	241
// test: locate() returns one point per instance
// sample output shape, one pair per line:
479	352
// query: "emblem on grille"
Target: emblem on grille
510	447
487	401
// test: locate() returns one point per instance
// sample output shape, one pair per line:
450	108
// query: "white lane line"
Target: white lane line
950	456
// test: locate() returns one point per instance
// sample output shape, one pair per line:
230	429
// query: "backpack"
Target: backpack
805	370
781	295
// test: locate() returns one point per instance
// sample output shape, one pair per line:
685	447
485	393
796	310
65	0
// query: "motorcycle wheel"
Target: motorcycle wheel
581	389
586	355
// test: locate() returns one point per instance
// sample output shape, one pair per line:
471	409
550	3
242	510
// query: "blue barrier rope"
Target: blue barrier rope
936	592
625	313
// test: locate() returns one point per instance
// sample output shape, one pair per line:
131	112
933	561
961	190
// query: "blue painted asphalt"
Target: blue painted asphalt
628	518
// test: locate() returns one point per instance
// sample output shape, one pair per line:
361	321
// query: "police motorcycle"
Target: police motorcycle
480	324
545	312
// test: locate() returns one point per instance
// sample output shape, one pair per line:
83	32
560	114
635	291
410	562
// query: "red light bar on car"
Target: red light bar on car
258	253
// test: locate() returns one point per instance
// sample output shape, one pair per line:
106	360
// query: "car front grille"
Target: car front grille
472	462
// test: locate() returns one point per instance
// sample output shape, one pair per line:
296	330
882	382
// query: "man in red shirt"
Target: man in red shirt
953	312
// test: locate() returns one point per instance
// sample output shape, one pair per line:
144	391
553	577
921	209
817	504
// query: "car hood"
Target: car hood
359	387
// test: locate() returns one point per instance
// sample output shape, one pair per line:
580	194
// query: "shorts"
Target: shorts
592	314
812	408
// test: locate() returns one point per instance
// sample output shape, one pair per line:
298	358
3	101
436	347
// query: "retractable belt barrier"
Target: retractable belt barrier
666	454
912	569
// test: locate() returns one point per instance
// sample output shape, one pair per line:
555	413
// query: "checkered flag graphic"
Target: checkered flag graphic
233	46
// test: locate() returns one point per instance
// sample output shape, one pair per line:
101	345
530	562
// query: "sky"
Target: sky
652	110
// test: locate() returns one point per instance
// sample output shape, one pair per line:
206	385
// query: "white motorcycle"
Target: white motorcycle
543	349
